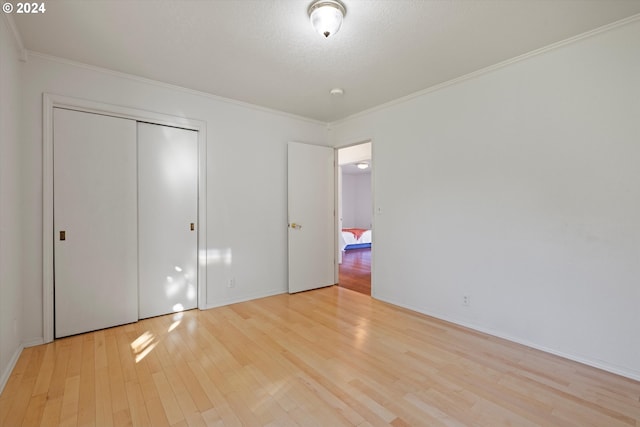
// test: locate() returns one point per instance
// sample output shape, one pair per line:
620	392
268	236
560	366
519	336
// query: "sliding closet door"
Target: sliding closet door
95	221
167	225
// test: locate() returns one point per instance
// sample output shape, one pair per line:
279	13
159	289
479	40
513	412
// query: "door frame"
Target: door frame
374	212
51	101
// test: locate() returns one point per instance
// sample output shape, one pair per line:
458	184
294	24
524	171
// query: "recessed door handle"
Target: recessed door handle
192	226
63	235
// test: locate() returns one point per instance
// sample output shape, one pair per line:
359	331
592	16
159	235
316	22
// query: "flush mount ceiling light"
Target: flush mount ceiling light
326	16
362	165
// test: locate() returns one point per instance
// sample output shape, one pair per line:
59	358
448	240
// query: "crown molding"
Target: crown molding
170	86
16	37
482	71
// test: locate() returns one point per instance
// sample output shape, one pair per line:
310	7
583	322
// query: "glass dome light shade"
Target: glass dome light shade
326	16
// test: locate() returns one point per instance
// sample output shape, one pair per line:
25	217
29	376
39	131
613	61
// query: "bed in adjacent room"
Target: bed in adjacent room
355	238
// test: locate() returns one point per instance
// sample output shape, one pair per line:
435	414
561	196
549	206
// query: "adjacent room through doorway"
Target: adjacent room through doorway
355	220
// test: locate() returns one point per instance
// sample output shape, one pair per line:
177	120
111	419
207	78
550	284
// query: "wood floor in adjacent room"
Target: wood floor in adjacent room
355	270
330	357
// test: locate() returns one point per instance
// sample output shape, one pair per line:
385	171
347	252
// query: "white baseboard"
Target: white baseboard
33	342
12	364
614	369
244	298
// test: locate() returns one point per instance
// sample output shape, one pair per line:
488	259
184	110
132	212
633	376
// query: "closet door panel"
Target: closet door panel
95	221
168	207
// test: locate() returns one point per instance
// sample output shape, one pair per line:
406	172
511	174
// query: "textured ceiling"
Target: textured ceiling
265	52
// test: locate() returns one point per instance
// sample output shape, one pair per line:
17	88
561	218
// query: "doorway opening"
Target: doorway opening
355	217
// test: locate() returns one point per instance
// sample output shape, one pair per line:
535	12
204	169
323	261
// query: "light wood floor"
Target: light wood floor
330	357
355	270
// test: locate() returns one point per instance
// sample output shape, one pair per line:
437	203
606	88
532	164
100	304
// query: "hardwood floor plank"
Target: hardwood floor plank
355	270
51	413
157	414
116	378
242	409
45	370
169	403
195	420
104	409
34	412
70	399
87	398
212	418
202	374
127	363
183	397
137	406
195	390
24	367
325	357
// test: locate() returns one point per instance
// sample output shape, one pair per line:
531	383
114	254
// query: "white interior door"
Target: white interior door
167	212
95	241
311	199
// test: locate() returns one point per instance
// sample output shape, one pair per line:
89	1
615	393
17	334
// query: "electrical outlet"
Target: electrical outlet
466	300
231	283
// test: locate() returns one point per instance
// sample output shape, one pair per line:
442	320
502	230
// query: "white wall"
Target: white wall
246	177
354	154
10	205
519	187
356	201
